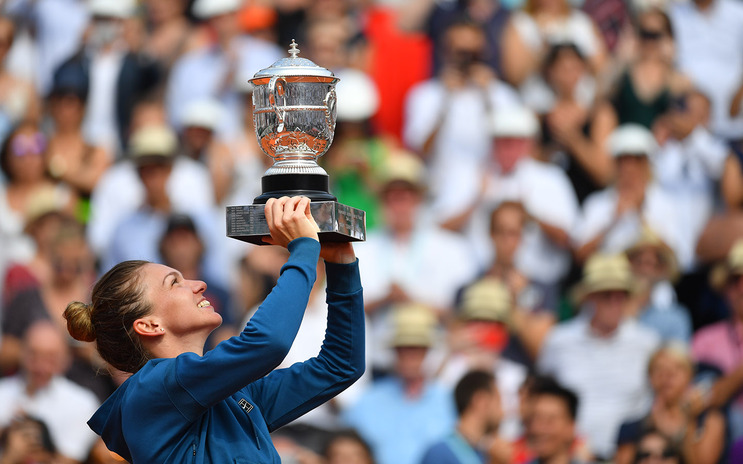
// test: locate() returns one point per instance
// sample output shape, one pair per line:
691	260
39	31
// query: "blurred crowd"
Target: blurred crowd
554	196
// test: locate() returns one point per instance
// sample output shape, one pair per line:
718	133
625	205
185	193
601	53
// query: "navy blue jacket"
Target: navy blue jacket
221	407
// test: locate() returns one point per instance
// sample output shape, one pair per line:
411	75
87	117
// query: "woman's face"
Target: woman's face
67	110
653	35
669	377
26	155
633	172
347	451
653	449
177	303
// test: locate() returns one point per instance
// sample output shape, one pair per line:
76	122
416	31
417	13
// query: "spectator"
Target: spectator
653	448
485	335
613	218
402	414
518	173
551	424
544	23
601	354
676	412
137	236
41	391
409	258
688	166
649	83
655	304
69	156
18	98
479	413
708	37
447	118
189	187
718	345
575	125
208	72
27	440
119	76
169	32
347	447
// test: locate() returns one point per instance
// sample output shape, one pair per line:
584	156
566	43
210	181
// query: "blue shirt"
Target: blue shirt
221	407
397	427
454	449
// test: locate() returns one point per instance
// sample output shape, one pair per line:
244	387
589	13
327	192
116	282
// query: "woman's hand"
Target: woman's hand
337	252
289	219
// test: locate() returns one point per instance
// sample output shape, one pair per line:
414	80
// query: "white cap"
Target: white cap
202	113
206	9
632	139
517	121
112	8
358	98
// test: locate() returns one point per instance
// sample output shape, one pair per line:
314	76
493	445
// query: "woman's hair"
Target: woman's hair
675	350
118	301
531	7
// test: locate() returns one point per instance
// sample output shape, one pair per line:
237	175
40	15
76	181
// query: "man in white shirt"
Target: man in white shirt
42	392
613	218
516	174
709	37
601	355
447	118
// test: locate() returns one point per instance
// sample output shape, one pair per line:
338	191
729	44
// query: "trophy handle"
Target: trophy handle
330	100
276	90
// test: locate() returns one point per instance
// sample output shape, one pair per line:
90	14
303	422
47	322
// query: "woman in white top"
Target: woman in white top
541	24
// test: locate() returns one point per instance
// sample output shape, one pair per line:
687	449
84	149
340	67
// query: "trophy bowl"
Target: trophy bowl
294	116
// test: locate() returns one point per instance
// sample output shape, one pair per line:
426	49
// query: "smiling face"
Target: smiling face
178	305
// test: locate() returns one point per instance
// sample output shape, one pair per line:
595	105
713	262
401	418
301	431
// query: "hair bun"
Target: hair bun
79	321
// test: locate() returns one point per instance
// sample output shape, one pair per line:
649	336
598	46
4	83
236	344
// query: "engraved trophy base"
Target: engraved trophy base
337	222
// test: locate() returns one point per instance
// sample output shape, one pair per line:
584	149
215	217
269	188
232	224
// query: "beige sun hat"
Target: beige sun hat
604	272
486	300
153	143
414	324
650	239
403	166
733	265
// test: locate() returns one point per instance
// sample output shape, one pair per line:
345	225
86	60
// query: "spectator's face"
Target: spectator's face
409	362
565	72
159	11
464	46
66	110
508	224
653	449
347	451
182	249
494	410
71	260
401	203
508	151
196	139
669	378
103	32
687	112
653	36
154	177
6	37
26	156
224	25
633	172
177	303
647	264
609	307
550	429
44	355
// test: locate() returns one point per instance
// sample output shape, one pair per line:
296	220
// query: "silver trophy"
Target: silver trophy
294	116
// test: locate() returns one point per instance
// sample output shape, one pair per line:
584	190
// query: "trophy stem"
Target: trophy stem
314	186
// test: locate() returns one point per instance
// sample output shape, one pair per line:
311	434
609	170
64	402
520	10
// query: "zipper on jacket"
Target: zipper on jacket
194	452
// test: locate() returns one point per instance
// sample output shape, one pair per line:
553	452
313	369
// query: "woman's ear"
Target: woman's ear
148	327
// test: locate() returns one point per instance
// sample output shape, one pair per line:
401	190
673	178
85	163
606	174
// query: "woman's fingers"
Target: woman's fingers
289	218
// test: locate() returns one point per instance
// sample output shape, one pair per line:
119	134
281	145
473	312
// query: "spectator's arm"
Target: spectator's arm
412	15
737	102
707	447
726	388
519	61
731	183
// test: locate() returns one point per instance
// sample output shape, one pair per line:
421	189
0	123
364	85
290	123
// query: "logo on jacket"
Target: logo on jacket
247	407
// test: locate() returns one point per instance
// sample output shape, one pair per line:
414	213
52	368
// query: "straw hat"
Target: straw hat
153	143
650	239
403	166
732	266
414	324
486	300
604	272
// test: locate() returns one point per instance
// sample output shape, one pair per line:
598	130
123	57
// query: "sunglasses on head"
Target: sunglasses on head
28	144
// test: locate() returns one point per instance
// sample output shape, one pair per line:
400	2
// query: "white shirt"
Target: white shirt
688	170
99	125
599	210
120	192
463	141
545	192
709	48
576	28
609	375
63	406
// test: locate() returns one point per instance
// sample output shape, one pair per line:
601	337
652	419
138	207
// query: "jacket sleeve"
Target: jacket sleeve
195	383
286	394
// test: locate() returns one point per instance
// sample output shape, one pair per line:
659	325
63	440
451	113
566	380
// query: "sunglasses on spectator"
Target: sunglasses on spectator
650	34
667	453
28	144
